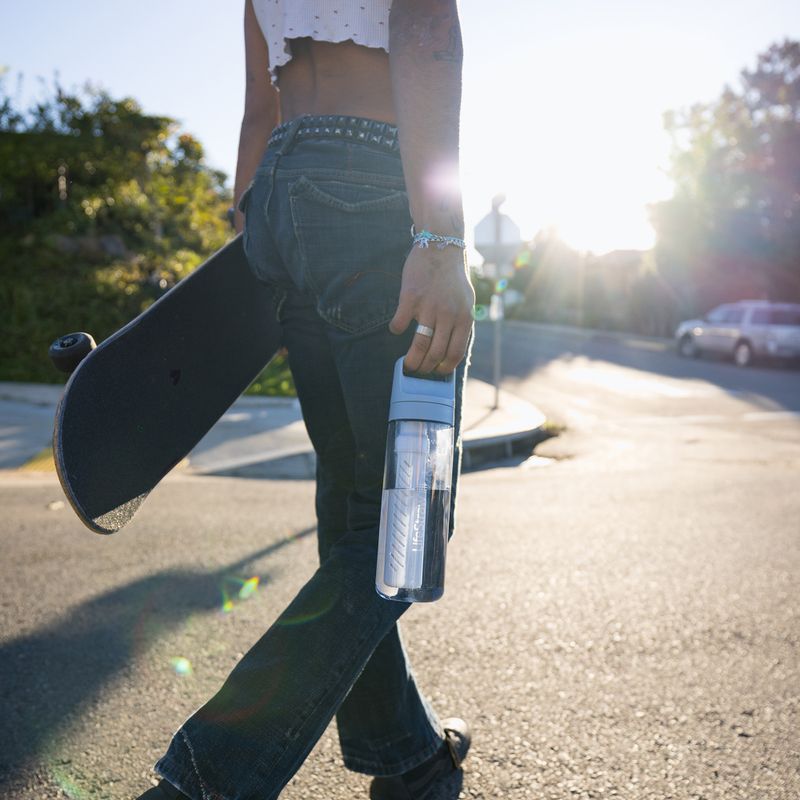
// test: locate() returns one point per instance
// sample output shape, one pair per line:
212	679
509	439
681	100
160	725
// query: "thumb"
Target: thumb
403	316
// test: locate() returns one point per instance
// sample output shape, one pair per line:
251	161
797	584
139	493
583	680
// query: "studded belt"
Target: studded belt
331	126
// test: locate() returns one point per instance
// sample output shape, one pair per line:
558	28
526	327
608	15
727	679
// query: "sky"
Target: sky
562	106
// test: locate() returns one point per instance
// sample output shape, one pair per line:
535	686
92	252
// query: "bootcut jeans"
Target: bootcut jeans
328	226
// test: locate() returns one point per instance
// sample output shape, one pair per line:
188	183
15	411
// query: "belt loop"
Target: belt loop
291	132
283	148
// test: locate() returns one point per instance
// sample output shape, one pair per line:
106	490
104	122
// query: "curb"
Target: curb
301	464
512	431
49	394
596	334
479	453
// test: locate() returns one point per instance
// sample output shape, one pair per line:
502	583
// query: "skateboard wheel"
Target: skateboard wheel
68	351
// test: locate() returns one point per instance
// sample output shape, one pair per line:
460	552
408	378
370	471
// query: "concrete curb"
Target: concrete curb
48	394
517	428
592	333
489	435
260	437
35	394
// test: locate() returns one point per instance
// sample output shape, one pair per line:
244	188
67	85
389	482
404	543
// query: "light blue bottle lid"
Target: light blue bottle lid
427	399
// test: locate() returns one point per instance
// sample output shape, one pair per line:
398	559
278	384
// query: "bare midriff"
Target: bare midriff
336	78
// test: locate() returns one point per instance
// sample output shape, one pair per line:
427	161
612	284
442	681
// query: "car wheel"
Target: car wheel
687	347
743	354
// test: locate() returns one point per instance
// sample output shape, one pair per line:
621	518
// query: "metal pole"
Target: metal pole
498	333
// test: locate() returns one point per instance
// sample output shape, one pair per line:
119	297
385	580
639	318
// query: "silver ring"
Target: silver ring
424	330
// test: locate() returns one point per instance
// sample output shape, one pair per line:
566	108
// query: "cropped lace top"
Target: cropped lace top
365	22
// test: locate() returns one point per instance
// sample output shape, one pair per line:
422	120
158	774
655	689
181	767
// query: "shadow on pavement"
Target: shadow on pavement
528	349
52	675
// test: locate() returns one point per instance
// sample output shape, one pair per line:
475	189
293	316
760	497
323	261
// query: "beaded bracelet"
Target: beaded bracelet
424	239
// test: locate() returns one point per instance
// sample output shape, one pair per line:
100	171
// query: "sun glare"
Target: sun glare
594	191
585	150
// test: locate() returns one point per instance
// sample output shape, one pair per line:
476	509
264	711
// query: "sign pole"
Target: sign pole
496	315
498	350
498	332
497	239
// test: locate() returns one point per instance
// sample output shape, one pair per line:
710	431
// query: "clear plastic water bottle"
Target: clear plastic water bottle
415	509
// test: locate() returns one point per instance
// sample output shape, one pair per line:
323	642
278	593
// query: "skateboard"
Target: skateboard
135	405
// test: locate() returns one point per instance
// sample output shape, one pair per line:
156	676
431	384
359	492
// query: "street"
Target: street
620	618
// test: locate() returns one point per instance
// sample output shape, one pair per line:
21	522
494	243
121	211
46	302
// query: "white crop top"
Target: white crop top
365	22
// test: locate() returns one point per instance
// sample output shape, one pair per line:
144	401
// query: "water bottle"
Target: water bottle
415	507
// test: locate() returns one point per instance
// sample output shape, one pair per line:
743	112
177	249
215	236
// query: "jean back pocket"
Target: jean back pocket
352	242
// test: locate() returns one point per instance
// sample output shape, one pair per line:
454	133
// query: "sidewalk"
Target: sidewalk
260	437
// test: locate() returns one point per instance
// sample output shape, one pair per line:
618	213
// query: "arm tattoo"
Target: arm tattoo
454	51
456	214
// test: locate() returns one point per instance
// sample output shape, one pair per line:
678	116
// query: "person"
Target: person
362	100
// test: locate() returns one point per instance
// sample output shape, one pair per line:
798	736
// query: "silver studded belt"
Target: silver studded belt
331	126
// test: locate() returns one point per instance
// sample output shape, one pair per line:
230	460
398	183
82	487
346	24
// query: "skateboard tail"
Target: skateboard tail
105	524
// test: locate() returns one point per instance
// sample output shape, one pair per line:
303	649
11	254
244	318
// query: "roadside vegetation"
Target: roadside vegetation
730	232
103	208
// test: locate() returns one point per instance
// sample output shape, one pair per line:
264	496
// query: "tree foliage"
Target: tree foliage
732	229
620	290
102	209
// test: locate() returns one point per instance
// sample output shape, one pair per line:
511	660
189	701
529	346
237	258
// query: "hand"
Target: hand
435	291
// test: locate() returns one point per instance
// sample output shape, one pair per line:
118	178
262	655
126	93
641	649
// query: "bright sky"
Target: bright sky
563	101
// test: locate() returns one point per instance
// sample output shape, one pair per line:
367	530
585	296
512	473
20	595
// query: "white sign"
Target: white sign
496	229
497	238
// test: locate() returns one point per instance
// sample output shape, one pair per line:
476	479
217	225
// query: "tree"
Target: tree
732	228
102	209
549	275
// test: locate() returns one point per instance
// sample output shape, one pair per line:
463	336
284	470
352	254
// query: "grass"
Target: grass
41	462
275	380
553	428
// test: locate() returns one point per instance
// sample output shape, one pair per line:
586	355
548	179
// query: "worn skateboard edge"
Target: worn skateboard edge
61	469
114	520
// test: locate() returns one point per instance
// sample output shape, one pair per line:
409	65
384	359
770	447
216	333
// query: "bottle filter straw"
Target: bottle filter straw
406	507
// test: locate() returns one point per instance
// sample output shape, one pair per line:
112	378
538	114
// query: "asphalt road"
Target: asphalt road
621	617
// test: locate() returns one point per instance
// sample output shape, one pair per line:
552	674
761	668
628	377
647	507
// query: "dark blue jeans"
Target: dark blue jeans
328	226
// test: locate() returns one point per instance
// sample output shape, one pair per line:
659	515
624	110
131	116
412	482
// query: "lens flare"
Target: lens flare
311	609
301	619
66	784
249	587
501	285
523	259
480	313
235	589
181	666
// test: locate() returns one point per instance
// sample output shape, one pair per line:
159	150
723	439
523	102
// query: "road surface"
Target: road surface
620	620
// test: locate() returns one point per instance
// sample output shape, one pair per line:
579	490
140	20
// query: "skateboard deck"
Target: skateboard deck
137	404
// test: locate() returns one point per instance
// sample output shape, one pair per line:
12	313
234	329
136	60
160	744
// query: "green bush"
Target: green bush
274	380
103	208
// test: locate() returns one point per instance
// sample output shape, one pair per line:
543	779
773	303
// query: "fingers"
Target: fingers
404	314
424	356
443	351
440	298
457	348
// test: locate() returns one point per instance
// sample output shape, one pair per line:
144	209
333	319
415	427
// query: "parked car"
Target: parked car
744	331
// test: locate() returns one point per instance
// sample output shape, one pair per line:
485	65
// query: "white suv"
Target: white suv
744	331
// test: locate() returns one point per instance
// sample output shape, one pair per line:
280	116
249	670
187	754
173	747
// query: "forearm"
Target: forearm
261	108
253	138
425	57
